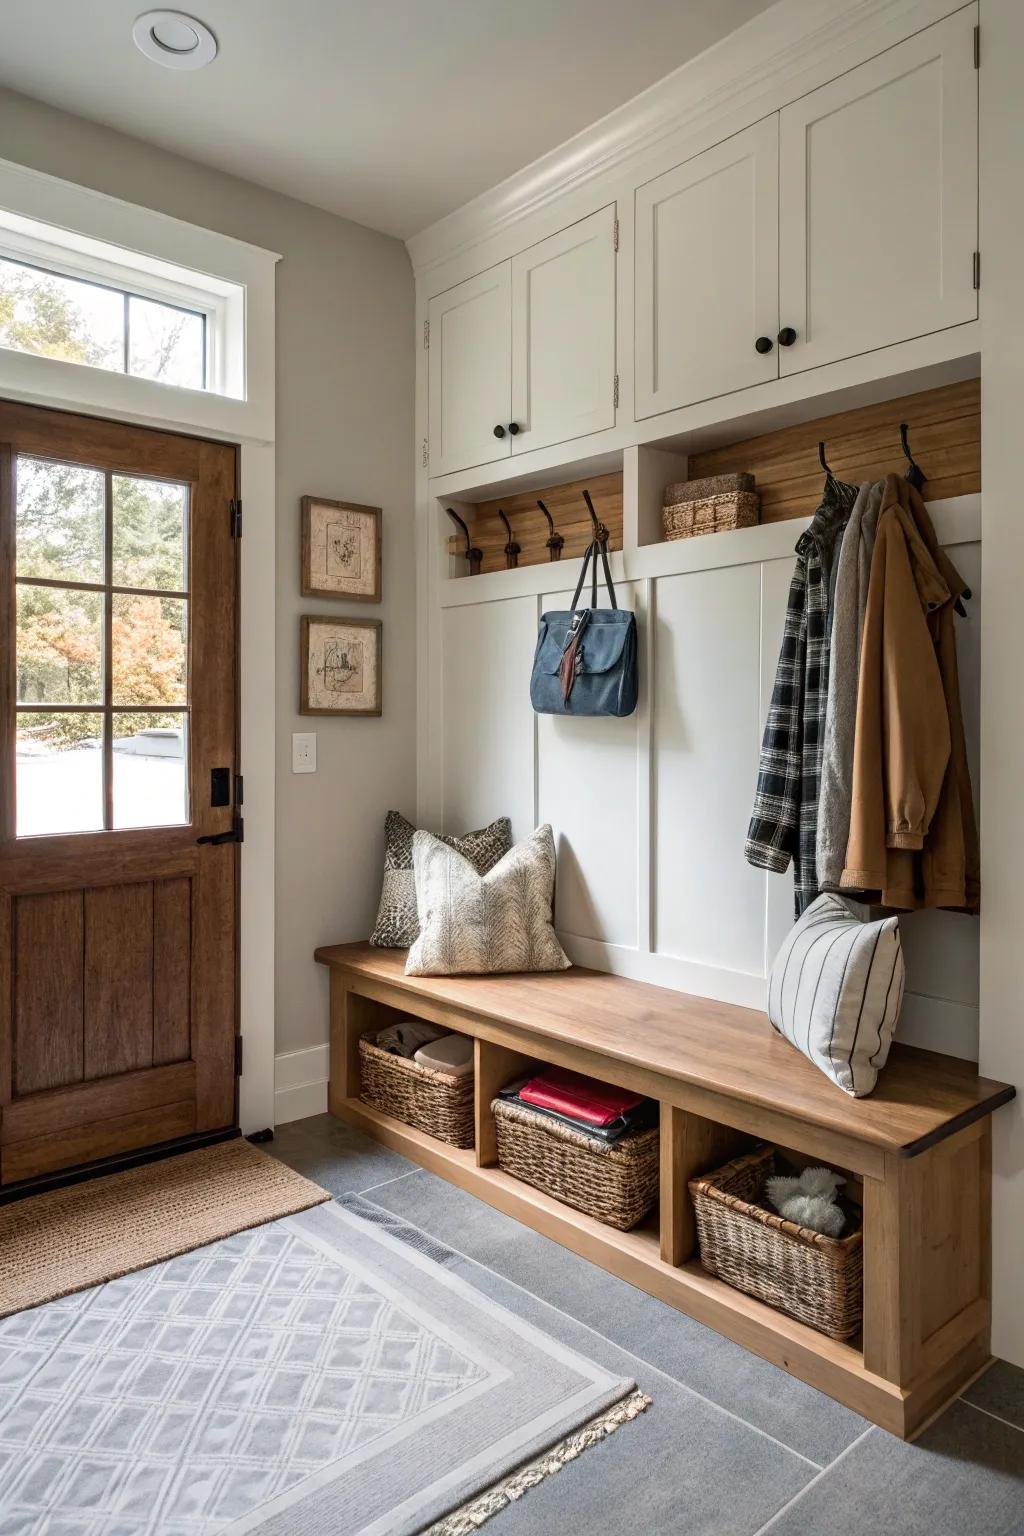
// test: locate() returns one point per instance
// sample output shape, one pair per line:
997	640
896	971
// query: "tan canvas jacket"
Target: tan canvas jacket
912	832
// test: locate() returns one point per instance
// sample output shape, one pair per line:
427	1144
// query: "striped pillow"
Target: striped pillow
835	991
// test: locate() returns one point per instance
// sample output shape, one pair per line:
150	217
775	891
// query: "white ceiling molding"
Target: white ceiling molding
773	59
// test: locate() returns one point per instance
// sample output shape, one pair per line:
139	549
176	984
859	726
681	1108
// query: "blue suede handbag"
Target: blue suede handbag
586	662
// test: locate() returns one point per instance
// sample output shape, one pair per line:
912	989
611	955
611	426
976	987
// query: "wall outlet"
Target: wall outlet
303	752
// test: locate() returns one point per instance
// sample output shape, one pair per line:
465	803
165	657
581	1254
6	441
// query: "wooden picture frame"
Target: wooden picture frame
341	549
340	666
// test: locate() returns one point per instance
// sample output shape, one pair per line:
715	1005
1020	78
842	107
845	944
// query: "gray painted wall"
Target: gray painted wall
345	425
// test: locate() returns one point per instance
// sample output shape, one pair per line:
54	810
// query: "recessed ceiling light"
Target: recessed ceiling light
175	40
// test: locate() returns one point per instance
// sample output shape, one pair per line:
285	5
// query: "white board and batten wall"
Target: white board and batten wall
784	228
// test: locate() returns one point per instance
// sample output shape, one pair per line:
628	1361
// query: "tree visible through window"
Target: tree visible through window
77	321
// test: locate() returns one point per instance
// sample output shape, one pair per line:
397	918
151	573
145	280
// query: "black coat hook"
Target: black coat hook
600	531
915	474
822	460
474	557
555	541
512	549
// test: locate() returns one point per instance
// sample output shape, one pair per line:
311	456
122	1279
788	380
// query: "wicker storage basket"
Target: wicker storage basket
710	514
616	1184
814	1278
431	1101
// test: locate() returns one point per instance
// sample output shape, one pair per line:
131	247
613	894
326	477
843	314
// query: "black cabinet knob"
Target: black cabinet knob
499	431
787	336
763	344
513	429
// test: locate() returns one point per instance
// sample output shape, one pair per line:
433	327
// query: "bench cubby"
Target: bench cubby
918	1152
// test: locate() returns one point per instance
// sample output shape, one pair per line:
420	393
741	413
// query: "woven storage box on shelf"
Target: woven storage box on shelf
712	505
814	1278
616	1183
435	1102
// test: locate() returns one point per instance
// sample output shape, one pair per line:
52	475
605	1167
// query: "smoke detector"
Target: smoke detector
174	40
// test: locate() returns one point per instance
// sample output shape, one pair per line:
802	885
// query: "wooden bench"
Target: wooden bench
919	1148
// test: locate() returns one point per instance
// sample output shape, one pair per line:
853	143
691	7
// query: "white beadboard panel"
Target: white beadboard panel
588	790
709	903
776	576
488	730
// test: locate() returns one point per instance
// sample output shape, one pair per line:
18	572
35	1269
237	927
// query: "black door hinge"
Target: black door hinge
235	508
977	269
977	47
238	1055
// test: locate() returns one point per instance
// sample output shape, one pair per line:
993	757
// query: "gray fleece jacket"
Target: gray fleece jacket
847	622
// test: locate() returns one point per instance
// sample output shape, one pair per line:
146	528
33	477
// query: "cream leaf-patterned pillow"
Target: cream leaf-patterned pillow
473	924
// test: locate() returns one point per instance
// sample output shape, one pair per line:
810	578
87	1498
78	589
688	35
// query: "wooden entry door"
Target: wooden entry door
118	758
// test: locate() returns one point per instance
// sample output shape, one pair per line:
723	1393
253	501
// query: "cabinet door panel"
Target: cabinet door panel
707	273
563	334
470	369
878	199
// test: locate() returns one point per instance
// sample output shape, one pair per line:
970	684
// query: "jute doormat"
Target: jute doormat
71	1239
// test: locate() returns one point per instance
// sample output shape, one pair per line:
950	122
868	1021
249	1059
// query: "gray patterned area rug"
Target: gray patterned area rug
312	1375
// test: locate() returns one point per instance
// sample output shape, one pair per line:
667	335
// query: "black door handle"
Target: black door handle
499	431
763	344
236	835
514	428
787	336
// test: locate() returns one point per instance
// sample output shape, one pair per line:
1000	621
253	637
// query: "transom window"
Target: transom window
102	623
80	320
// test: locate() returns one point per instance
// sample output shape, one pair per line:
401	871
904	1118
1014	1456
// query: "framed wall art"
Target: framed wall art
341	550
340	661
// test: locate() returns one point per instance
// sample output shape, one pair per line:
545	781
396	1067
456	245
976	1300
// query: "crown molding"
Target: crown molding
759	67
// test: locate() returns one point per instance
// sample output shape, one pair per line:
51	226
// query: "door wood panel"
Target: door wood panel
707	273
563	334
878	199
470	370
119	949
118	980
49	996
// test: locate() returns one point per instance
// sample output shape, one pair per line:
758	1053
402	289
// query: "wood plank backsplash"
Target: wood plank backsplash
530	530
945	438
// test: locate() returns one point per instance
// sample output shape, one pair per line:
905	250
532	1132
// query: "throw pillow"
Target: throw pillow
473	924
835	991
397	925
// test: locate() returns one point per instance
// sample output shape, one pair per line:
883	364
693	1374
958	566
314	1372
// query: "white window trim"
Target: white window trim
248	422
87	233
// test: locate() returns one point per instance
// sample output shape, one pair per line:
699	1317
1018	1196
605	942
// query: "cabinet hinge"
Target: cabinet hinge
615	235
977	47
235	513
426	335
426	453
615	393
238	1055
977	269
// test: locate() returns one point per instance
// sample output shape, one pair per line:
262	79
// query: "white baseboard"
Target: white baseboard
300	1084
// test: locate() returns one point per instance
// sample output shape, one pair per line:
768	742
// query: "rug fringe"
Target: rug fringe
464	1521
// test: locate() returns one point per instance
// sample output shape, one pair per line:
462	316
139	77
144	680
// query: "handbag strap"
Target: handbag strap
591	555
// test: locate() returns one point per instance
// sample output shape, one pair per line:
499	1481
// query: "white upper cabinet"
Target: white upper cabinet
563	335
470	371
707	275
878	200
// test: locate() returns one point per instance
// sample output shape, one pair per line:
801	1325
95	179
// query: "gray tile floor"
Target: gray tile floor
732	1446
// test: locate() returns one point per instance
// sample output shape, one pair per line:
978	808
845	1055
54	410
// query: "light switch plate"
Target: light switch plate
303	752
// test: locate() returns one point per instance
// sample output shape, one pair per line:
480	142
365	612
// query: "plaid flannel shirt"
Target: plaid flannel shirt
784	823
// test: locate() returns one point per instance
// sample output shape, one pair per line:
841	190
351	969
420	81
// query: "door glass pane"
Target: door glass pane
147	646
56	316
59	646
166	343
149	534
58	520
150	770
59	786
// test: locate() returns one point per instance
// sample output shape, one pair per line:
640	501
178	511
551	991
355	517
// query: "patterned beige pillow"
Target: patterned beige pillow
473	924
397	924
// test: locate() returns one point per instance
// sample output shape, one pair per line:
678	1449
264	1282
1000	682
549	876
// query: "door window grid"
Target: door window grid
106	709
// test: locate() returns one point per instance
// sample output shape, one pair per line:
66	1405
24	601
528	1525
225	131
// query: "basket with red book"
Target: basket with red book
590	1145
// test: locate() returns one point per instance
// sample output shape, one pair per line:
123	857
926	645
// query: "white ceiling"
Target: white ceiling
391	112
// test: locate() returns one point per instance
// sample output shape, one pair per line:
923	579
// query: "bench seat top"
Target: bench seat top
922	1096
